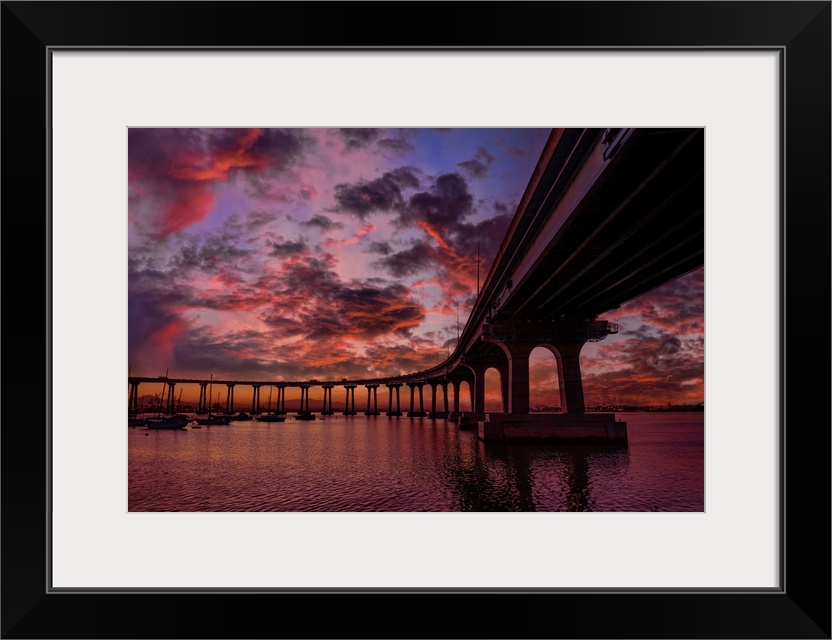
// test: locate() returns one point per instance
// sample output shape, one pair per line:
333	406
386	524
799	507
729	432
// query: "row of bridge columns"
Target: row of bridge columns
280	403
514	381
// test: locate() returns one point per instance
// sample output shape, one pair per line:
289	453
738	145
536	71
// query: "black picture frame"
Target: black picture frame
800	608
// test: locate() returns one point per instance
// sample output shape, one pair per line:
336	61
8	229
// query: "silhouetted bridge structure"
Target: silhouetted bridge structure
608	215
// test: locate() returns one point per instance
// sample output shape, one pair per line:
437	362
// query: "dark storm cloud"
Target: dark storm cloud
280	148
358	138
227	355
284	249
322	222
382	194
215	252
257	219
383	248
395	145
478	166
502	208
155	289
372	311
443	207
417	258
326	307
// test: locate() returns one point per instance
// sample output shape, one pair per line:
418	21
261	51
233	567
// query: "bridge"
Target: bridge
608	215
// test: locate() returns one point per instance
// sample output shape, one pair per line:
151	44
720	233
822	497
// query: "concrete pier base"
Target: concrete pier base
453	416
470	420
438	414
372	413
393	414
551	427
416	414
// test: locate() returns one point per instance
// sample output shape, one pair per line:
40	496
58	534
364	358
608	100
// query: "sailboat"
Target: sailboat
213	419
270	417
169	421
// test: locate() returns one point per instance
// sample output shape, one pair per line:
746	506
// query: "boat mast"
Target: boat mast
210	394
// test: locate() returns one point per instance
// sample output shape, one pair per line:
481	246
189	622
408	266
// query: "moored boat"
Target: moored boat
213	418
168	422
271	417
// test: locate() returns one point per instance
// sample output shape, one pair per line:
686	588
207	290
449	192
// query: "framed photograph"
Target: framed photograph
156	153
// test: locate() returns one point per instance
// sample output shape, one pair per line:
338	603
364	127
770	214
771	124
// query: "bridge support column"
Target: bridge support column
304	411
413	413
229	399
398	411
327	400
281	399
518	376
569	374
170	404
349	410
133	402
453	416
435	386
202	405
478	403
255	399
372	400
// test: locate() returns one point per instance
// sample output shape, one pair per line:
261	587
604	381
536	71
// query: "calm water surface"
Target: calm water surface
360	463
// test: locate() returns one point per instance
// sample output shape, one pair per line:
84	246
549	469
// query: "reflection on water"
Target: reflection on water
363	463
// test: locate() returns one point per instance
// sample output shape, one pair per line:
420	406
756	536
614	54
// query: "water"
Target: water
361	463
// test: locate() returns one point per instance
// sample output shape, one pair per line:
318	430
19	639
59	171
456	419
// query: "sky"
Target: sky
293	254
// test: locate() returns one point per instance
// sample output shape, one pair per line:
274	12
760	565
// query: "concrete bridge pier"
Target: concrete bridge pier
255	399
133	402
459	376
574	424
170	402
398	411
327	400
421	412
372	407
435	384
202	404
349	409
471	419
280	402
229	398
303	410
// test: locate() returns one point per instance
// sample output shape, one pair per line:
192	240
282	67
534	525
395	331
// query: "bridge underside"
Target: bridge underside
613	215
638	225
